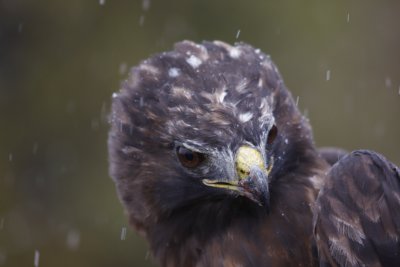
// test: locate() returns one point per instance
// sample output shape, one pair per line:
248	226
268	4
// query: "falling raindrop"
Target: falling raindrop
123	67
297	101
146	5
237	34
102	2
328	75
123	233
36	259
3	258
35	148
73	239
348	17
71	107
305	115
388	82
379	130
95	124
141	20
10	157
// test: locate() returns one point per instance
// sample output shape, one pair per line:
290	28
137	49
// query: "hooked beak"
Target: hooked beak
251	179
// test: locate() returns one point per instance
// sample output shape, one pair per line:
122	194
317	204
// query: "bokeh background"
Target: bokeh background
60	61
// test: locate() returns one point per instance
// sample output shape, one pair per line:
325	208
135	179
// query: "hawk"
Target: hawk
216	166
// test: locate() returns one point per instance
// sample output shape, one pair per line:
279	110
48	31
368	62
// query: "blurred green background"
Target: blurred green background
60	61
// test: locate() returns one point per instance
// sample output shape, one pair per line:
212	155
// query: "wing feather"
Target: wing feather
357	213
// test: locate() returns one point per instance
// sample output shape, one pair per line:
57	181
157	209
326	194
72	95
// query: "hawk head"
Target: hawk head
204	128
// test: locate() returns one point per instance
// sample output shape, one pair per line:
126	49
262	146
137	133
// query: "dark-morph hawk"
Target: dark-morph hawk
216	166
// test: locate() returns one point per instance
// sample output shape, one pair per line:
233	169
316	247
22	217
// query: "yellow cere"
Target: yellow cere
247	157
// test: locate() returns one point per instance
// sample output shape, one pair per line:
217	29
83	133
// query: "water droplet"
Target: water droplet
73	239
286	141
388	82
146	5
141	20
174	72
35	148
36	258
328	75
10	157
70	107
297	101
237	34
94	124
123	67
194	61
3	258
348	17
102	2
123	233
235	52
379	130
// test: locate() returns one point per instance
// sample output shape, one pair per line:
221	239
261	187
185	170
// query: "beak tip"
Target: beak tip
256	187
257	192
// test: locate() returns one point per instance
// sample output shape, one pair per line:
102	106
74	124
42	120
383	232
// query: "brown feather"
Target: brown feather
216	97
358	213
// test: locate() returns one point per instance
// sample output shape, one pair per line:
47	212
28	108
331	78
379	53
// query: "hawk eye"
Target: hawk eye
188	158
273	132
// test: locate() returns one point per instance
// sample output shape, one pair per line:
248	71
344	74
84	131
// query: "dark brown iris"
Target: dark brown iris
188	158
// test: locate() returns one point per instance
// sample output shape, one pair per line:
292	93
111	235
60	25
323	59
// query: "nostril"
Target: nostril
244	172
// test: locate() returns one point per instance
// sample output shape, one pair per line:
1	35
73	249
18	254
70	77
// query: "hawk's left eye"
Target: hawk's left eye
188	158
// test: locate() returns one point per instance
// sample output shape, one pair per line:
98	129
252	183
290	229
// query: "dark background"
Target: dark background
60	61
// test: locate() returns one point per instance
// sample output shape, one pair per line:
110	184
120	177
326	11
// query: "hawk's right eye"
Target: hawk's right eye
188	158
273	132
